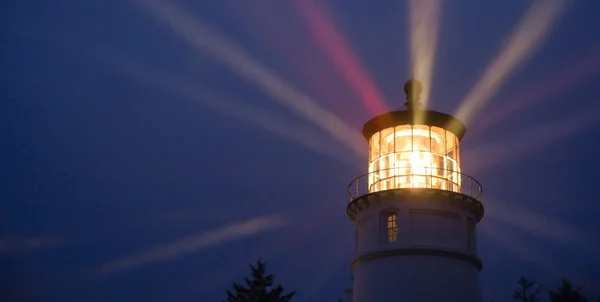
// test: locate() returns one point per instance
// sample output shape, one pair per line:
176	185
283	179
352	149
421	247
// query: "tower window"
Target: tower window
392	227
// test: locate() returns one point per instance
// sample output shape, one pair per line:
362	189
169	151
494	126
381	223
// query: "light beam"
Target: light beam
529	34
424	17
332	42
488	155
255	116
585	65
224	50
193	244
538	224
519	247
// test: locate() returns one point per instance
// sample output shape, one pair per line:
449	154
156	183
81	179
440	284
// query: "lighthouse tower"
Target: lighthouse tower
415	212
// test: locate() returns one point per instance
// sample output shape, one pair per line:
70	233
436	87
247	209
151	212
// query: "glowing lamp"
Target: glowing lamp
414	148
413	156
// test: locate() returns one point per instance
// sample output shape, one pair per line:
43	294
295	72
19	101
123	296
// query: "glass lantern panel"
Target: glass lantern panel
374	144
403	138
450	144
438	140
387	141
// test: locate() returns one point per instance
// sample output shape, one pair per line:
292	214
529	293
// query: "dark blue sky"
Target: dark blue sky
129	156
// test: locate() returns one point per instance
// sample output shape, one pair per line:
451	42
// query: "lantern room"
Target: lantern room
414	148
415	212
414	156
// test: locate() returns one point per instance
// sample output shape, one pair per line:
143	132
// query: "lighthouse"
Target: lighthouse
415	212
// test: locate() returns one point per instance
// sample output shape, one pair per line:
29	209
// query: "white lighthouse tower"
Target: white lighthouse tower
415	212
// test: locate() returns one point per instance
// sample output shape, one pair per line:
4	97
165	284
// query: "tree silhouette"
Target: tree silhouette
566	293
526	291
259	289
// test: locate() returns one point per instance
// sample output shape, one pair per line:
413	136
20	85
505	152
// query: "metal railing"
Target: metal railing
442	179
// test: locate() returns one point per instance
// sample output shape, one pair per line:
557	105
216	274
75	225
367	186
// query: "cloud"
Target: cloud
193	244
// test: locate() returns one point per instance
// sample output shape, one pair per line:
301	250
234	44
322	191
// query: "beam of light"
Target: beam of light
194	244
217	46
518	247
424	18
585	65
332	42
289	243
527	252
262	119
292	47
532	138
529	34
537	224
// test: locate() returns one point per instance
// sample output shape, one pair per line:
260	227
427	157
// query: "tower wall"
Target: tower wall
416	278
434	256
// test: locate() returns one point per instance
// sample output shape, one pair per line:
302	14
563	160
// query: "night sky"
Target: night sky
150	153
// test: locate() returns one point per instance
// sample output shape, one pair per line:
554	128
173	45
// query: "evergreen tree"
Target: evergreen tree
566	293
526	291
259	289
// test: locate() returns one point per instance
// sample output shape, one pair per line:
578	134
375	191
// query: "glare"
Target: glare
424	19
263	119
529	34
224	50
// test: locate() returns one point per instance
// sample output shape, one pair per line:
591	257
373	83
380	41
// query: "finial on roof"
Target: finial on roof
413	89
